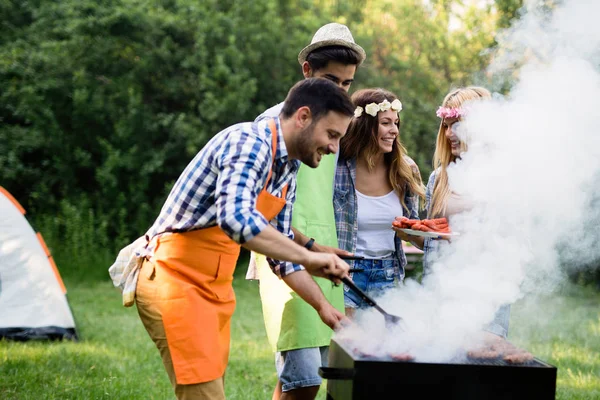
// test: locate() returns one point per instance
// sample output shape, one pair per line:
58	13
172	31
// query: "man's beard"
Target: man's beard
305	146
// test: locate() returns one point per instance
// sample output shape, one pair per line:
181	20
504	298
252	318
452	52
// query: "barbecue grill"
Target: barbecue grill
362	377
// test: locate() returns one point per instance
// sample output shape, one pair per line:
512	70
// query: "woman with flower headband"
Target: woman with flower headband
441	200
375	182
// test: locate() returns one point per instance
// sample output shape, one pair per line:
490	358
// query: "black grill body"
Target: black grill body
351	377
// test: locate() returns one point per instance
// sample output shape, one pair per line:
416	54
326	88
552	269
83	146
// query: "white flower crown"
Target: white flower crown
373	108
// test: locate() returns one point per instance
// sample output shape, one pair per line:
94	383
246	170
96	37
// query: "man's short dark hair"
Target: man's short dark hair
320	95
319	58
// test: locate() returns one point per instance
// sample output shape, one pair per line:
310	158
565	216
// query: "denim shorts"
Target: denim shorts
499	325
300	368
378	275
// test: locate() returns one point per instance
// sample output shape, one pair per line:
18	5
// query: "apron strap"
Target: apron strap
273	128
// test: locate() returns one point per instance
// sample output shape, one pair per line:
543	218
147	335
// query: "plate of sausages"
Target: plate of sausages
430	228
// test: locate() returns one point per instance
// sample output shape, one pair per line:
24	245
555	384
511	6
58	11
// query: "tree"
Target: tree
109	101
103	103
420	51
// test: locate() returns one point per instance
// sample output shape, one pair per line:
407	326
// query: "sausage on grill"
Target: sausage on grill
402	357
483	354
521	357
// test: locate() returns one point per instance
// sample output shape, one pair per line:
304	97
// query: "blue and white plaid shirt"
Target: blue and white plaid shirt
221	184
346	210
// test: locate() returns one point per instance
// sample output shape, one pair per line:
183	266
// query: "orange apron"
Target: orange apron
197	295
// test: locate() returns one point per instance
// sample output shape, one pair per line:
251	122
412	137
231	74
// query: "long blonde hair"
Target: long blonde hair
443	152
361	139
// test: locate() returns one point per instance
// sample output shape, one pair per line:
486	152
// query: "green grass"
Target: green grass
564	330
116	359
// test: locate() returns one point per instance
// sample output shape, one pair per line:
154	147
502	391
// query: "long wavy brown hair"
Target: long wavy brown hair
361	141
443	152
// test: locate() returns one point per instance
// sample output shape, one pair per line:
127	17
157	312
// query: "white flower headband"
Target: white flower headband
373	108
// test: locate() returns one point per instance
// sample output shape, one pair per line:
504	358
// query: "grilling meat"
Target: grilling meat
495	347
425	225
396	357
518	358
402	357
483	354
511	353
361	353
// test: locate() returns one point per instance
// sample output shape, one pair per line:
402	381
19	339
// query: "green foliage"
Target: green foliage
103	103
107	102
79	241
420	52
508	10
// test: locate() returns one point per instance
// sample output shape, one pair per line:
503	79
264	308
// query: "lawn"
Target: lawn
116	360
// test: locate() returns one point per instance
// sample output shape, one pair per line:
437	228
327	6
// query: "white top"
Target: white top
375	237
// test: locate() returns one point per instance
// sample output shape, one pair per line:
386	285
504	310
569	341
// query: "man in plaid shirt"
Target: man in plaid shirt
238	190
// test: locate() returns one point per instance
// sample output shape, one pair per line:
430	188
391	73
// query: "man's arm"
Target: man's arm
300	237
306	287
242	174
302	240
274	244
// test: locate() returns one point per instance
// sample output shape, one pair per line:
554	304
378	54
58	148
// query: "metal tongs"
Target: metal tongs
353	258
391	320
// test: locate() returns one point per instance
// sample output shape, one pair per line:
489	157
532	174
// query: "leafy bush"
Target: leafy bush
108	101
103	103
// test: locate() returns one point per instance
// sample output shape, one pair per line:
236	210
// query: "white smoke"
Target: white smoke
532	169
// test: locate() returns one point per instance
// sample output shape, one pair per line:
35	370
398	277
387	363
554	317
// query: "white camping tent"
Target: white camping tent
33	303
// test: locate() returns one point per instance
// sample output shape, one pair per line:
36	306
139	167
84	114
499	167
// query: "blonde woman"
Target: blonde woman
375	182
441	200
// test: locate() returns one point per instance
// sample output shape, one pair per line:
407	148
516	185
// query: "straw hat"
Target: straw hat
332	34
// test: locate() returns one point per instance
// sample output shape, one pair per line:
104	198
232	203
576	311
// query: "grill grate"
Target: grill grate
351	376
498	362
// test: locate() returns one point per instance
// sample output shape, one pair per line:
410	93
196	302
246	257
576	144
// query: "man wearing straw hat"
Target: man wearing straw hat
294	327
